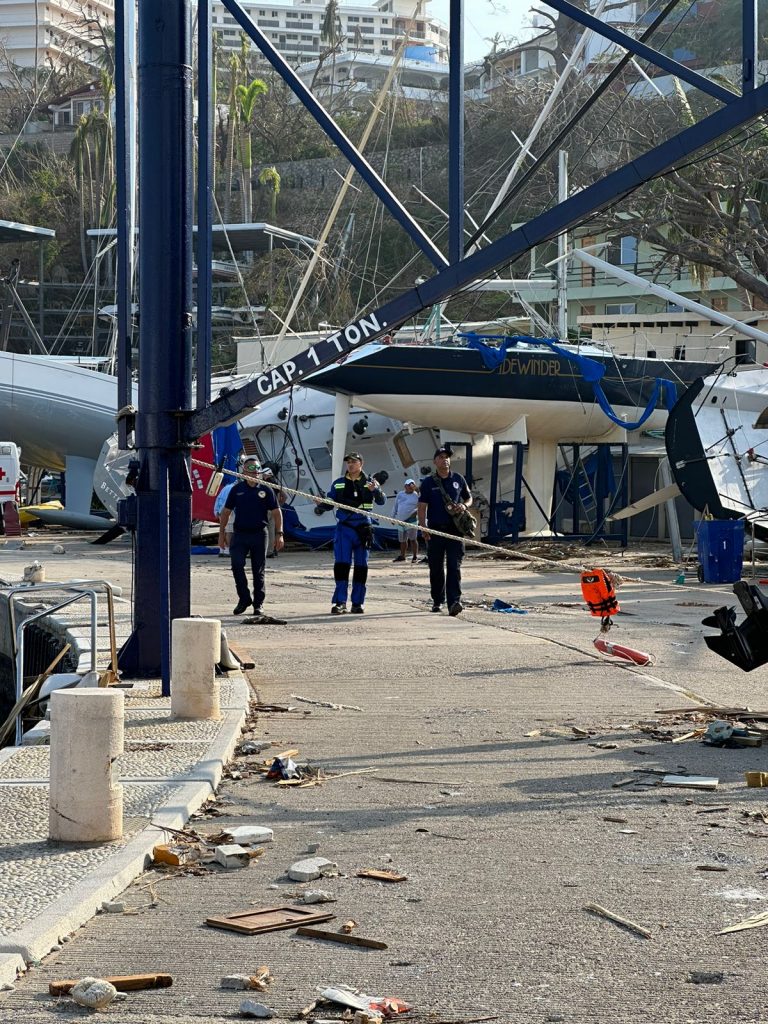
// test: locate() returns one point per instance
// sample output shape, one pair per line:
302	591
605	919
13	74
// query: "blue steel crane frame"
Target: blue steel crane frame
167	424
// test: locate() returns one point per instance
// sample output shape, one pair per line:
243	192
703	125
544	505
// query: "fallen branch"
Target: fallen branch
326	704
594	908
757	921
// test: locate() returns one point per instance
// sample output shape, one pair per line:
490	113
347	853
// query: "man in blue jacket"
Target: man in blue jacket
354	533
252	503
439	494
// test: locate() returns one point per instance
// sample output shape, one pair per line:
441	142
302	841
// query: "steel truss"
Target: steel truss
167	424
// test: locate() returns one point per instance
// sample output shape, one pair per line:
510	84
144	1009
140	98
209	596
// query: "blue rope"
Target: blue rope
591	370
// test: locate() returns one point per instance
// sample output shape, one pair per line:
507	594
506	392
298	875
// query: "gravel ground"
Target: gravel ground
505	838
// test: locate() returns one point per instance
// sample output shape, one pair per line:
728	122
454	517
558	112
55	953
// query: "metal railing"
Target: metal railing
78	591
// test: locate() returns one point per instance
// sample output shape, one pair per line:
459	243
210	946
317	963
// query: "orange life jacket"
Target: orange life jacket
599	593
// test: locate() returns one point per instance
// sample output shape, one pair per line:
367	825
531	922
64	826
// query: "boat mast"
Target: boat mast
562	250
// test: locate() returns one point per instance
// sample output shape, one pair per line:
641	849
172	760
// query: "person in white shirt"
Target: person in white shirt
405	509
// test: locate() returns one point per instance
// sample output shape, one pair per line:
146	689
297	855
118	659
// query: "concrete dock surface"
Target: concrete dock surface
504	837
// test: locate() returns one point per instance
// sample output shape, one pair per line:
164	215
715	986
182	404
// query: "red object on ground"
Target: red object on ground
619	651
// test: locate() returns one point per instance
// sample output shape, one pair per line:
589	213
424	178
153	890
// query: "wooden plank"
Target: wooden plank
347	940
382	876
267	919
122	982
594	908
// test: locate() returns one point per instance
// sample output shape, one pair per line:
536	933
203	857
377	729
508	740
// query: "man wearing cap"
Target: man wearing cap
353	532
252	504
405	510
438	492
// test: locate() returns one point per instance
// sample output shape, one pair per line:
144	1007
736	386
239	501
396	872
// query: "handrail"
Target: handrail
20	644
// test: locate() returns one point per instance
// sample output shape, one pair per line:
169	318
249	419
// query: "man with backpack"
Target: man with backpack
444	498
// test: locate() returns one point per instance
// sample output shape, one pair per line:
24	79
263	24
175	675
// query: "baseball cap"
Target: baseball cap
410	480
443	450
353	455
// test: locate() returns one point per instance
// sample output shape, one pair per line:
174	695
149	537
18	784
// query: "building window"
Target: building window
674	307
628	250
620	308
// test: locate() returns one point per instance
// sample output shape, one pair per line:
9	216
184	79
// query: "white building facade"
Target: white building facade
48	33
295	28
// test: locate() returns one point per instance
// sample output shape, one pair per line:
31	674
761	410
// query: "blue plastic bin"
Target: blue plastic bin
720	545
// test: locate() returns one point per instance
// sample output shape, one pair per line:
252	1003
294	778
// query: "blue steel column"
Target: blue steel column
456	133
749	53
165	334
205	162
123	24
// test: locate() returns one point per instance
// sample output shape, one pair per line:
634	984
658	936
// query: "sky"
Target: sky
483	19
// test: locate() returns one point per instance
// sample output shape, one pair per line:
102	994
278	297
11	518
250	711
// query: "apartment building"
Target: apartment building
49	32
295	28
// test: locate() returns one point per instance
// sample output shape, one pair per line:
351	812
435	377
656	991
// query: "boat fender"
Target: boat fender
599	591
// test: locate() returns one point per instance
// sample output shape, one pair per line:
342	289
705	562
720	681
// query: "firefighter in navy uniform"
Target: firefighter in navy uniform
353	532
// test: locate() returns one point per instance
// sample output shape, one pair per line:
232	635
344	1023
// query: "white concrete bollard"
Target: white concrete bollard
195	651
86	798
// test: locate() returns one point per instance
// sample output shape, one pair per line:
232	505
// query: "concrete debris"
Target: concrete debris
176	854
248	1008
317	896
259	981
232	855
247	835
7	987
113	907
95	993
59	549
313	847
310	868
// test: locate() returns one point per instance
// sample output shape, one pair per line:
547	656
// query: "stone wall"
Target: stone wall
403	165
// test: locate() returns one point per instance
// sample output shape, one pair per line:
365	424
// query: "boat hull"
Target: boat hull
450	388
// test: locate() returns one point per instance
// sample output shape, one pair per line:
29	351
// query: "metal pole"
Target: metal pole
165	335
40	292
562	249
205	161
749	51
124	47
456	132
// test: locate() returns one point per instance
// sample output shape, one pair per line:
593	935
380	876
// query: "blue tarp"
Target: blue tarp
591	370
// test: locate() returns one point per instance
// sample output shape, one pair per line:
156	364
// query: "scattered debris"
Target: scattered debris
176	854
312	867
264	620
705	977
113	907
711	867
248	835
348	927
258	706
757	921
691	781
507	609
343	937
259	981
249	1008
443	835
326	703
713	810
317	896
382	876
756	780
283	768
232	855
345	995
313	847
594	908
604	746
627	832
251	747
95	993
617	821
121	983
621	652
257	920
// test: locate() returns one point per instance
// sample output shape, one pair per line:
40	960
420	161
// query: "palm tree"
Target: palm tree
246	101
270	176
